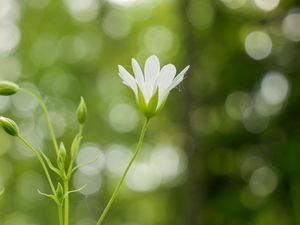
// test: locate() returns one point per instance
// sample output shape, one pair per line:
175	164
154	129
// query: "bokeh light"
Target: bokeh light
117	157
83	10
201	13
274	87
125	3
291	24
258	45
91	159
123	117
158	39
263	181
143	177
267	5
234	4
116	24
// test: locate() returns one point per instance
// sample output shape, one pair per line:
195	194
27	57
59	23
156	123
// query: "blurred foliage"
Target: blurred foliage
224	151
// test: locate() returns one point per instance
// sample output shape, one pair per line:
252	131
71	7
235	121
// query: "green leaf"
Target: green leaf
50	165
76	190
48	196
85	164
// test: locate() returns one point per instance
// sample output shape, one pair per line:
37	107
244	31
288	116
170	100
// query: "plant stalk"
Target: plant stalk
37	154
67	200
60	215
46	113
117	189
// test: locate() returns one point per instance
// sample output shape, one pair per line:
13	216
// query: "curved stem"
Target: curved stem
46	113
37	154
116	191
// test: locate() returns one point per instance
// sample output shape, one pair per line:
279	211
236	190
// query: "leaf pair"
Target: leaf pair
59	195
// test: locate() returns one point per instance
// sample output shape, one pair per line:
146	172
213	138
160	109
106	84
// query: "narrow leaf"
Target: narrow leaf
85	164
75	145
74	191
50	165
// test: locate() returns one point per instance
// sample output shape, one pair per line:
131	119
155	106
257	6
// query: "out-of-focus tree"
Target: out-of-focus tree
223	151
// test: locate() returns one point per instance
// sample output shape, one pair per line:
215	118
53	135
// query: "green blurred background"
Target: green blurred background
224	151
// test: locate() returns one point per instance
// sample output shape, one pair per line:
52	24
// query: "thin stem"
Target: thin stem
60	215
46	113
67	201
66	184
37	154
116	191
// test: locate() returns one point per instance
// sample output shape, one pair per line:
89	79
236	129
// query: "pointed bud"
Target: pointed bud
59	194
81	111
8	88
62	151
9	126
61	157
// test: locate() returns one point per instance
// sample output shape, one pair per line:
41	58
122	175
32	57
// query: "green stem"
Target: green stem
37	154
66	190
66	185
46	113
60	215
116	191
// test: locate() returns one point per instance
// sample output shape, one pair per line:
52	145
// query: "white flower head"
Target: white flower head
152	86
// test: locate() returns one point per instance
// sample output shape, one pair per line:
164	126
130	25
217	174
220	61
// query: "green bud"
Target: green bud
9	126
8	88
61	157
59	194
62	151
81	111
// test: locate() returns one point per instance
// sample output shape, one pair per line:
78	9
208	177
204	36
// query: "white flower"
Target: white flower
152	87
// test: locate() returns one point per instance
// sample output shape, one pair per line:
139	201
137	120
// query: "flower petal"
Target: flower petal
178	78
164	80
152	67
165	77
138	73
127	79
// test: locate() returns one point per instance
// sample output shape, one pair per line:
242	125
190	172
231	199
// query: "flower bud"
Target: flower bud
8	88
9	126
61	157
81	111
59	194
62	151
